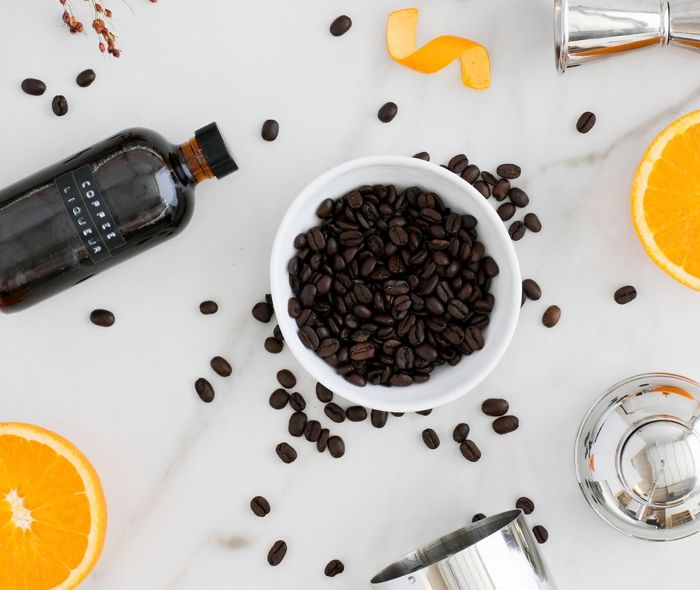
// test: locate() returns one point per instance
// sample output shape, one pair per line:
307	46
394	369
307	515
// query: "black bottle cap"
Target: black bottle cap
215	150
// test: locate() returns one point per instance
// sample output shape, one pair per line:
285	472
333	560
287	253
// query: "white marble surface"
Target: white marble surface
179	474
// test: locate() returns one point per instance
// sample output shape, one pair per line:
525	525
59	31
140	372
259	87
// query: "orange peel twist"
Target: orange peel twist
401	30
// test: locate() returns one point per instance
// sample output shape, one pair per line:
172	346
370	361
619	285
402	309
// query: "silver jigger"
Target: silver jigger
497	553
594	29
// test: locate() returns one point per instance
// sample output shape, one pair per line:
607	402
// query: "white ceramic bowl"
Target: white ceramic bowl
446	383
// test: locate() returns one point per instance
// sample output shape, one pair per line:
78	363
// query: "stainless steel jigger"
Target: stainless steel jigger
497	553
593	29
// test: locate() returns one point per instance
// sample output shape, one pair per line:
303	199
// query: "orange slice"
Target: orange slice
666	200
53	515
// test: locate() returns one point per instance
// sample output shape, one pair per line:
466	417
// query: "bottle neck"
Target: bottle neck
196	163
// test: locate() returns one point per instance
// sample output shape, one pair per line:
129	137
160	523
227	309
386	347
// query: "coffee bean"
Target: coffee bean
336	447
270	130
204	390
585	122
483	188
533	223
551	316
328	347
341	25
102	317
506	211
461	432
312	430
262	312
221	366
501	189
424	412
297	401
516	231
208	307
488	178
478	516
430	438
356	413
518	197
532	290
273	345
470	451
510	171
525	504
495	407
387	112
85	78
625	294
323	394
260	506
277	553
286	452
59	105
33	86
334	412
297	423
471	173
286	378
334	568
541	534
322	441
505	424
378	418
422	156
279	399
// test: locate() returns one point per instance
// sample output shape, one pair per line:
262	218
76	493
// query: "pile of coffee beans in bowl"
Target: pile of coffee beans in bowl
391	285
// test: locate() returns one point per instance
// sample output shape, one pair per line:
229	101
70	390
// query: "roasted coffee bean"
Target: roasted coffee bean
102	317
33	86
585	122
533	223
625	294
532	290
262	312
322	441
387	112
221	366
397	414
356	413
328	347
541	534
425	156
551	316
461	432
277	553
510	171
334	412
59	105
430	438
424	412
505	424
334	567
260	506
483	188
336	447
490	267
525	504
478	516
297	423
273	345
516	230
204	390
362	351
488	178
297	402
279	399
471	173
85	78
470	451
286	452
270	130
312	430
378	418
323	394
506	211
341	25
457	161
208	307
518	197
495	407
286	378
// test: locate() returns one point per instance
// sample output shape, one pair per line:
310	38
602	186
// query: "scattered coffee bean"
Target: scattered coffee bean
533	223
518	197
356	413
495	407
461	432
516	231
501	189
208	307
323	394
322	441
85	78
33	86
422	156
483	188
541	534
334	567
312	430
286	378
262	312
625	294
286	452
387	112
488	178
279	398
585	122
470	451
102	317
397	414
478	516
297	423
510	171
341	25
270	130
204	390
505	424
221	366
458	163
273	345
525	504
471	173
334	412
506	211
260	506
297	401
277	553
551	316
532	290
378	418
430	438
424	412
59	105
336	447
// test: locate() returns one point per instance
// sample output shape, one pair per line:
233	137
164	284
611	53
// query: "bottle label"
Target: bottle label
90	213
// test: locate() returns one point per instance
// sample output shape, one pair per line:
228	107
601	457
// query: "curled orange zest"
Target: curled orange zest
401	30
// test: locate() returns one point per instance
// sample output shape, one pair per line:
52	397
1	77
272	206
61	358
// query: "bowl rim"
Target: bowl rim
361	395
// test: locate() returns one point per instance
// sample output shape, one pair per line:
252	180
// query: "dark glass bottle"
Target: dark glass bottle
99	207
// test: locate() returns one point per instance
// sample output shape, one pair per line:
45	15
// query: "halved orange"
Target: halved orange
53	515
666	200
